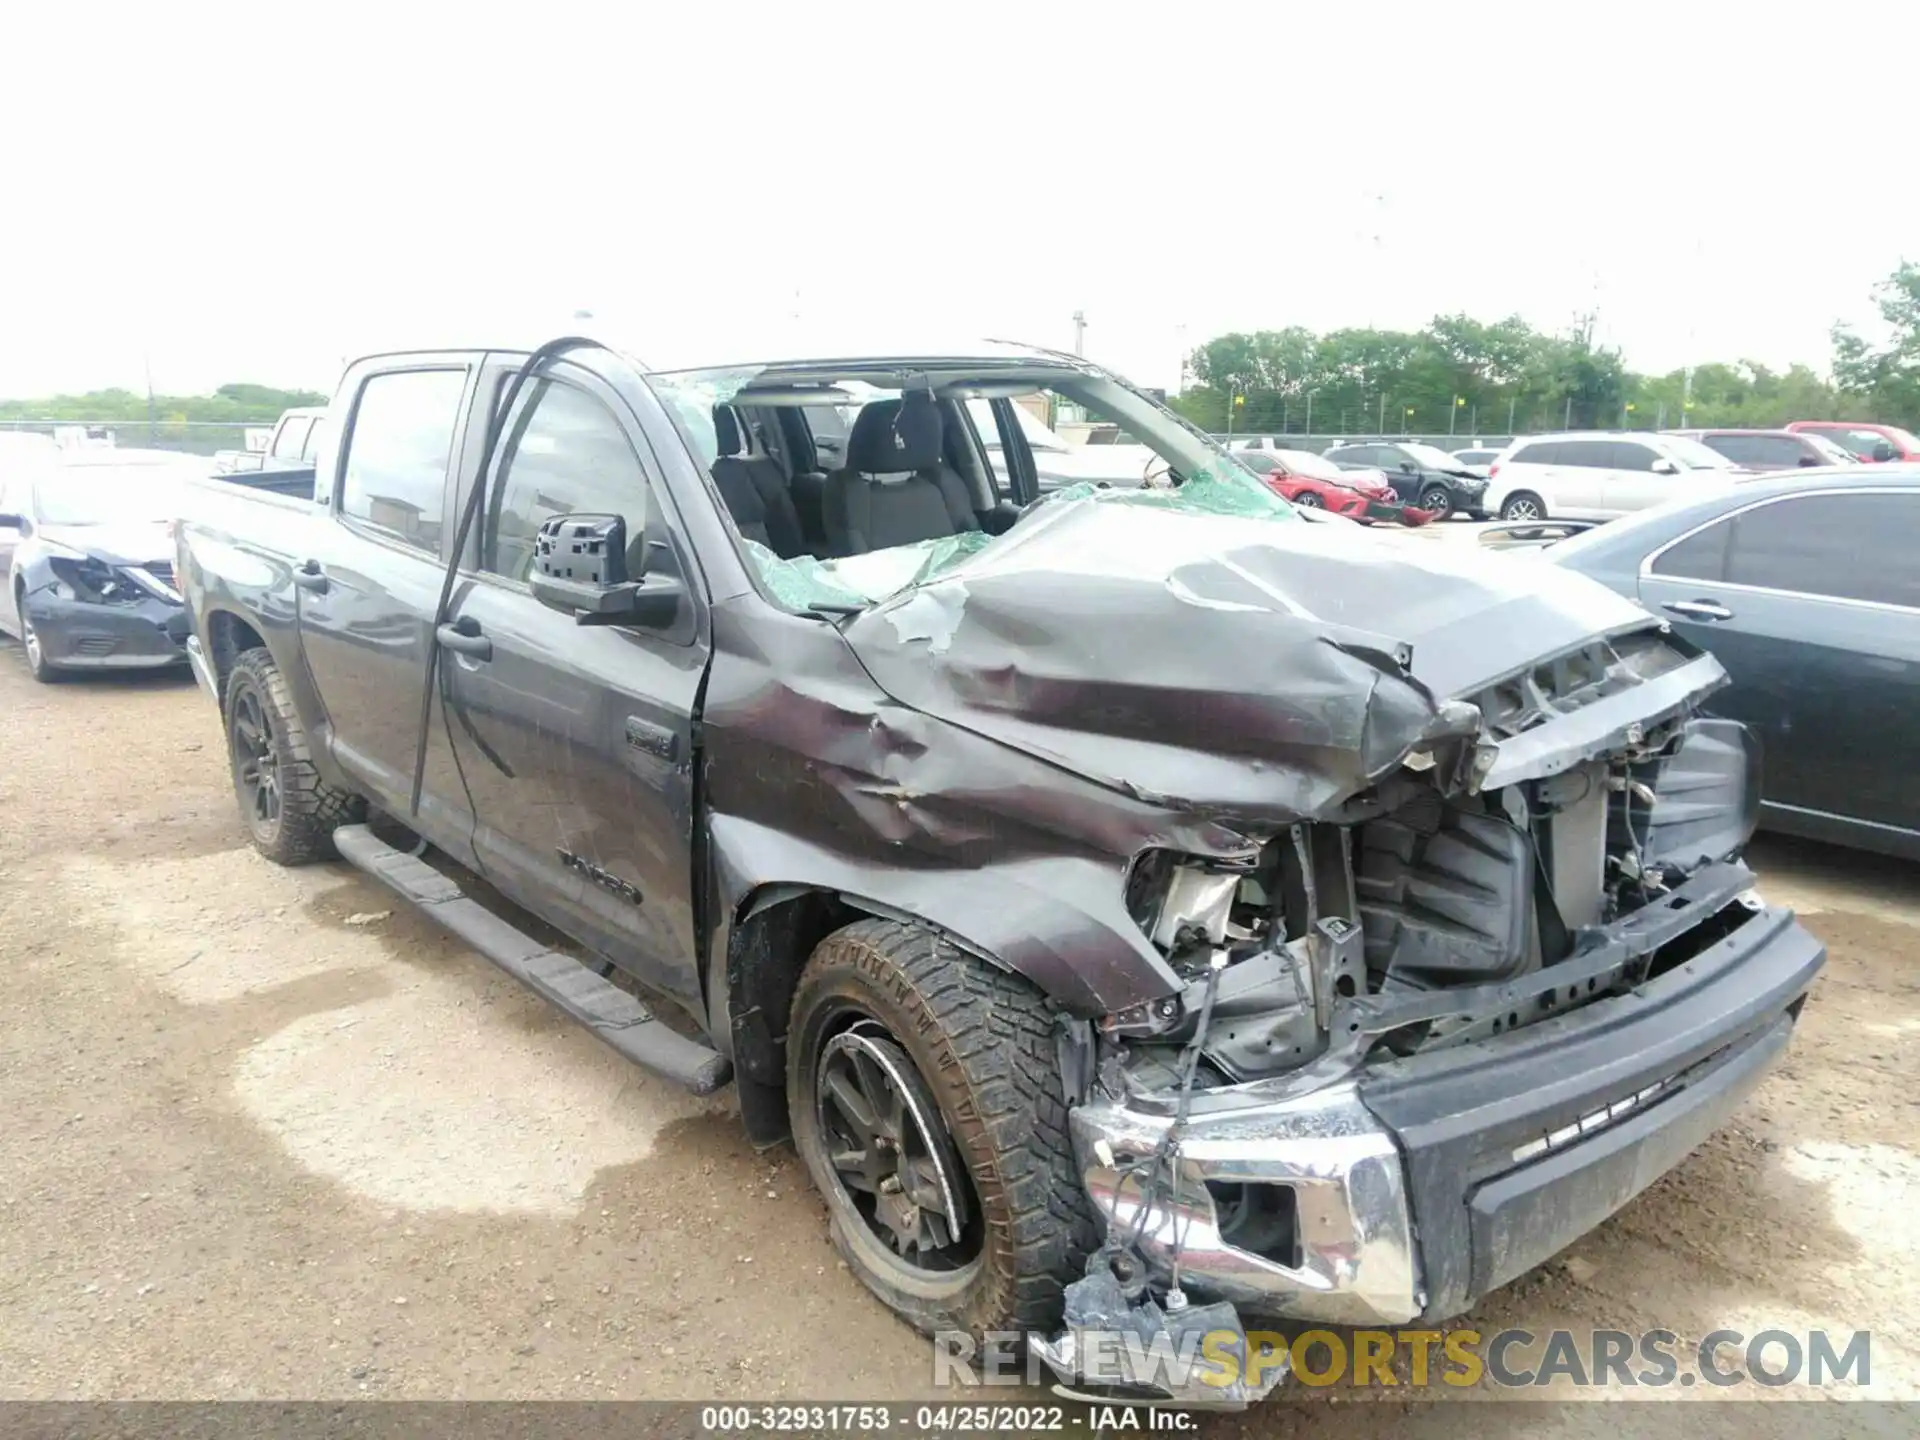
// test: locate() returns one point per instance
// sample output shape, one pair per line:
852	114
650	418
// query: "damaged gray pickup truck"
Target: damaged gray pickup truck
1119	896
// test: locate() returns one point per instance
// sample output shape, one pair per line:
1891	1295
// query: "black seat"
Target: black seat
755	490
896	487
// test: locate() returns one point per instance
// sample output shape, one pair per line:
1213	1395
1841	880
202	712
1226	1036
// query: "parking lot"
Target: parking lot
269	1134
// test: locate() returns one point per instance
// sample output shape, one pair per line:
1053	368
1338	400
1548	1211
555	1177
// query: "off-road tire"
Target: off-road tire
1507	506
983	1042
310	809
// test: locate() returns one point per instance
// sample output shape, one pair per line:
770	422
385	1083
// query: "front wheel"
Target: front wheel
1523	505
1438	499
926	1101
1307	500
38	665
290	812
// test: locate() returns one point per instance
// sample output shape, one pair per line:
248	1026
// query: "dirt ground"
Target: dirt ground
267	1134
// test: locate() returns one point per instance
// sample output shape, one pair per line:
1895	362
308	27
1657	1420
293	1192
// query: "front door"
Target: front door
577	741
1630	482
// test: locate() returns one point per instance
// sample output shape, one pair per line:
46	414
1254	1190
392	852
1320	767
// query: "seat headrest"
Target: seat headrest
726	430
890	436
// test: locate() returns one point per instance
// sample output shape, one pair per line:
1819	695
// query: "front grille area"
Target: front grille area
95	646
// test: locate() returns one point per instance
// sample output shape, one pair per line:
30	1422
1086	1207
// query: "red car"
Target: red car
1864	440
1319	484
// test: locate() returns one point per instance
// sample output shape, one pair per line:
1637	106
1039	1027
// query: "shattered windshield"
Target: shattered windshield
1191	474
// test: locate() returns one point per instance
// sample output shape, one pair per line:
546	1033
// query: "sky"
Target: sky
209	193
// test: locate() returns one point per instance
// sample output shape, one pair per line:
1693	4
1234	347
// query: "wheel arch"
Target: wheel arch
229	636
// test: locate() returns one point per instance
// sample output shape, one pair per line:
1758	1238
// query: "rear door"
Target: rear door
368	586
577	741
1812	602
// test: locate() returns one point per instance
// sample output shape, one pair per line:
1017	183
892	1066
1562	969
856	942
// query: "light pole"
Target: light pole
1080	332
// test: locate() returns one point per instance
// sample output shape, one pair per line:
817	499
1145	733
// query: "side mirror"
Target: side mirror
13	522
1806	460
1407	467
1664	466
580	566
1883	452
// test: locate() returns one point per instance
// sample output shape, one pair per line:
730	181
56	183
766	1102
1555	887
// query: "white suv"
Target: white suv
1597	475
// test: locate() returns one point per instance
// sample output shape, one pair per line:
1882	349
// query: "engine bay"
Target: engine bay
1421	894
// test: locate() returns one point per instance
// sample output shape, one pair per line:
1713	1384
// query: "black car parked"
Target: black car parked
1806	588
1424	477
87	564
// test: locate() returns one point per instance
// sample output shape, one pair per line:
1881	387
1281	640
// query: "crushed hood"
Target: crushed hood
126	542
1258	670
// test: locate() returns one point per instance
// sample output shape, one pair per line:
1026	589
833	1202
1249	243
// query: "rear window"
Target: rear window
293	435
397	452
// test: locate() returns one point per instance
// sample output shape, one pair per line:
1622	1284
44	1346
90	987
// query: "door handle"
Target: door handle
1698	609
464	638
309	576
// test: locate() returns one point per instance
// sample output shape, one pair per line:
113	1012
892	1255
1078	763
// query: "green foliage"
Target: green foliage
1466	376
230	404
1885	382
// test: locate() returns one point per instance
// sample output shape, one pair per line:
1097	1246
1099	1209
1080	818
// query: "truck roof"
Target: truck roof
778	348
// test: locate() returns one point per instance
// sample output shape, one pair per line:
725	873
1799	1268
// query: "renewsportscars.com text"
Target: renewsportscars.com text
1513	1359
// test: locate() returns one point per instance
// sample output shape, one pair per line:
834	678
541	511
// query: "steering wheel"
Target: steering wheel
1157	474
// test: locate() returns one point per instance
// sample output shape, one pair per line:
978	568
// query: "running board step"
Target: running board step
610	1012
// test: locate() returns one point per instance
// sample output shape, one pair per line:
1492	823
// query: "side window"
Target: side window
1544	452
563	453
1628	455
1851	547
1589	454
1701	556
396	470
311	450
292	436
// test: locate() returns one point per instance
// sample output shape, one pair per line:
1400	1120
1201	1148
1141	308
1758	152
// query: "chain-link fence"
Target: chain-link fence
190	437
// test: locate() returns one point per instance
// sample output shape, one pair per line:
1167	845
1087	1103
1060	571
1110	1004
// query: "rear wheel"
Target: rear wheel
926	1101
1438	499
289	811
1523	505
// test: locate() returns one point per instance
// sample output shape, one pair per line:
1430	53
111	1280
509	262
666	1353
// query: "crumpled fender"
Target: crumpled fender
814	778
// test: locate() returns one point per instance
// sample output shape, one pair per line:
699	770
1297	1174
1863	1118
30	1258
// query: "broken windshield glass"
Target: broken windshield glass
1191	473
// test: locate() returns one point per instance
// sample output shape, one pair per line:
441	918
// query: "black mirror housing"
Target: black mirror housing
13	522
580	566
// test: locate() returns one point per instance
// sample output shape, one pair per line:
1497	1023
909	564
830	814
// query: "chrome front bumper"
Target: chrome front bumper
1352	1259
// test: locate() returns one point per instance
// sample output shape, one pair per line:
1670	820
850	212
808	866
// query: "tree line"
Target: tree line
1461	376
237	404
